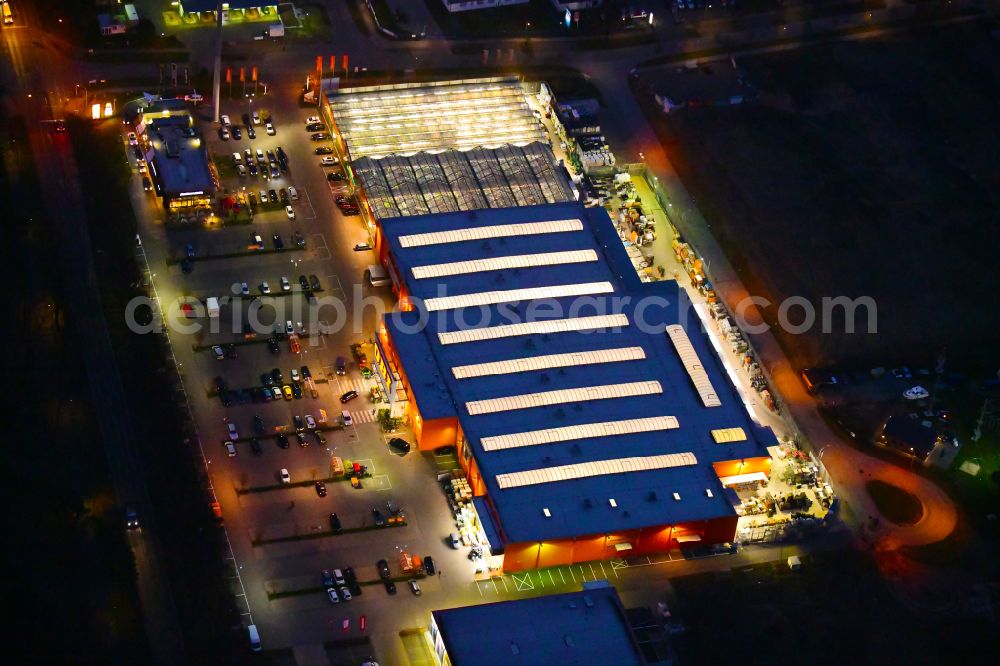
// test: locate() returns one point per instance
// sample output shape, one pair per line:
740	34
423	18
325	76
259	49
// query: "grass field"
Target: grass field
863	169
837	610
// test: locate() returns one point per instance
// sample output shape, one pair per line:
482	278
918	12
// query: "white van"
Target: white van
254	638
377	276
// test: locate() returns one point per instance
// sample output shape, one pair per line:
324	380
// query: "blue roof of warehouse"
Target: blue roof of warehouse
587	627
579	506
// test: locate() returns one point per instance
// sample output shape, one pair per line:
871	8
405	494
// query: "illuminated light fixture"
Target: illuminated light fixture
501	263
514	295
516	365
562	396
583	431
95	111
708	493
546	512
585	470
677	496
108	110
613	503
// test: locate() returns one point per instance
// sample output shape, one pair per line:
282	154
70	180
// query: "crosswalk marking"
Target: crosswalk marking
363	416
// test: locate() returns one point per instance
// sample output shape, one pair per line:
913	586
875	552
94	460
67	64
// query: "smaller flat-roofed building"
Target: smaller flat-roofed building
575	628
263	8
177	158
468	5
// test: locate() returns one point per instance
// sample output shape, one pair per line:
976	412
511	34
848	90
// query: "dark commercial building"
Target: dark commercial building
576	628
592	415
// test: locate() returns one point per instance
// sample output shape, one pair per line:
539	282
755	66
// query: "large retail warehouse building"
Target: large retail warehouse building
591	415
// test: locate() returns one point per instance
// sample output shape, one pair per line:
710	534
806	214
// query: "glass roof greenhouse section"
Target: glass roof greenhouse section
403	184
445	115
433	182
376	188
462	180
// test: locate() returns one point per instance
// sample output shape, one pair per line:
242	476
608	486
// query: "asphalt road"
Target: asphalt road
34	78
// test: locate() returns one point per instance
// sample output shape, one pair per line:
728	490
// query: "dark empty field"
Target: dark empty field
866	168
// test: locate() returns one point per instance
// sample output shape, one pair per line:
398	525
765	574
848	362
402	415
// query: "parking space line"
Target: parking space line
388	485
480	588
495	588
551	579
603	572
583	576
504	581
561	577
571	574
312	211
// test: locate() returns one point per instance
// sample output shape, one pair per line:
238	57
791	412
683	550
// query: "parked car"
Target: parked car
324	150
335	525
345	594
310	422
303	283
285	284
233	433
313	119
284	476
230	449
282	440
289	212
378	517
319	136
326	578
273	345
328	160
400	445
258	424
390	587
321	489
383	570
278	243
315	127
341	365
293	194
270	127
220	353
265	288
314	283
237	133
429	565
335	175
255	447
331	594
414	587
298	422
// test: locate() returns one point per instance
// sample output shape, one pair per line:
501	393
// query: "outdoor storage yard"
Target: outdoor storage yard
861	169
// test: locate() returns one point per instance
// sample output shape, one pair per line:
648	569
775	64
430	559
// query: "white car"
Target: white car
224	119
296	377
265	288
328	160
256	118
289	212
313	119
260	156
244	289
344	592
285	477
289	329
270	128
241	170
348	421
310	422
331	594
285	284
230	449
233	433
237	159
133	140
293	194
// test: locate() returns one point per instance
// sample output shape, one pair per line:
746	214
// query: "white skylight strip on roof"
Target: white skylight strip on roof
512	295
594	323
528	400
501	263
689	357
583	431
598	468
530	363
493	231
727	435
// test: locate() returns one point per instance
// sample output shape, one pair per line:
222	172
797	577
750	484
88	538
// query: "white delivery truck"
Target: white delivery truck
212	304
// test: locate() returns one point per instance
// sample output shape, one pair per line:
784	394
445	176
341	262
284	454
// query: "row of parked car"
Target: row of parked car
227	129
311	283
268	165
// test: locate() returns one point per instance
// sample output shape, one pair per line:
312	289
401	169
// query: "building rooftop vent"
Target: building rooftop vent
613	503
677	496
546	512
708	492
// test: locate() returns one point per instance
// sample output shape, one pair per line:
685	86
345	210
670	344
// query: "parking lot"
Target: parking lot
281	532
